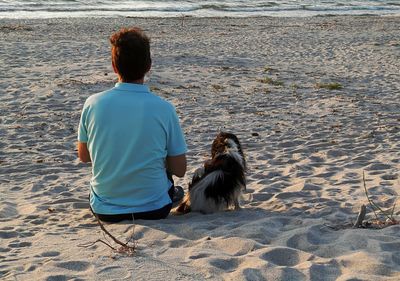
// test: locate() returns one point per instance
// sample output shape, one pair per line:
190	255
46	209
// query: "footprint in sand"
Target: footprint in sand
378	167
391	246
335	153
262	196
30	267
225	264
199	256
323	272
74	265
177	243
311	239
37	187
50	178
16	188
8	234
109	270
50	254
396	258
284	256
4	250
17	244
310	186
38	221
58	278
8	210
34	219
80	205
294	195
253	274
389	177
287	273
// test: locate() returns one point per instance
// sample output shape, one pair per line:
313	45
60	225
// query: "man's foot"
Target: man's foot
178	195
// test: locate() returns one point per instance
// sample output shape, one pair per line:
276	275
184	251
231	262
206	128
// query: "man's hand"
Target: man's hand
83	152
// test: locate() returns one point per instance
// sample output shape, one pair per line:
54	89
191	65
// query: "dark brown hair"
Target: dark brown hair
130	53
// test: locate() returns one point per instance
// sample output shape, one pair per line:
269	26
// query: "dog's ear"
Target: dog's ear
239	146
218	146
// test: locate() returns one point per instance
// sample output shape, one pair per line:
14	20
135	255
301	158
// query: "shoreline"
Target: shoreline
314	101
205	17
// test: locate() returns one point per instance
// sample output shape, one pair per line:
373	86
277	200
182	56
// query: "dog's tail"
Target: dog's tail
183	207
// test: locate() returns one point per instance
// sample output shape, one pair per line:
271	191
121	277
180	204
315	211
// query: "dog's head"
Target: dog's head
227	143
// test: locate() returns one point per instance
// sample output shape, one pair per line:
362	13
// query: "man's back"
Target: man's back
129	132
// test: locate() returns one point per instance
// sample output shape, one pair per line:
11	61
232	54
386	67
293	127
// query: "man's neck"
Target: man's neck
138	81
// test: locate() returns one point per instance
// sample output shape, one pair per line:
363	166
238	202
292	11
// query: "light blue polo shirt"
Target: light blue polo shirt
129	132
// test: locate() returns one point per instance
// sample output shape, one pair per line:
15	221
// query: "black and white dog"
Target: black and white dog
218	185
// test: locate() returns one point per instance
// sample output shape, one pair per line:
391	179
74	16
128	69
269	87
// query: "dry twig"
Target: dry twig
360	217
124	248
375	206
377	223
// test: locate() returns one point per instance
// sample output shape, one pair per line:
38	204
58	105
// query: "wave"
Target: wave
194	8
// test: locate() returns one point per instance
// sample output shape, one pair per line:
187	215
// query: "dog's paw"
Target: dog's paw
237	206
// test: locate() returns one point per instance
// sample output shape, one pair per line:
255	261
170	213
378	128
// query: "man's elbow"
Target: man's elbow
85	160
83	153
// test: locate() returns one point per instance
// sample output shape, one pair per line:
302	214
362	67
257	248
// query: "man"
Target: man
133	139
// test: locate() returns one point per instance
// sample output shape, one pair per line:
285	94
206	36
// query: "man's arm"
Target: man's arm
176	165
83	152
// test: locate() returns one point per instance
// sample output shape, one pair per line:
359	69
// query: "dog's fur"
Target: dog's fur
218	185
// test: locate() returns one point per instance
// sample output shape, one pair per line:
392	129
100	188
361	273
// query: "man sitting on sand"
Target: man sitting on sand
133	139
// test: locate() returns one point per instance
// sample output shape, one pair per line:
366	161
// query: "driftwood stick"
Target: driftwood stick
391	214
97	241
375	206
125	247
112	237
361	216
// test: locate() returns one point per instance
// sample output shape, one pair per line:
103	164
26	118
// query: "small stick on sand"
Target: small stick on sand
125	248
375	206
369	200
361	216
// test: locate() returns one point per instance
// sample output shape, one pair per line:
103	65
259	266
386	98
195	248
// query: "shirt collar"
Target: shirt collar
131	87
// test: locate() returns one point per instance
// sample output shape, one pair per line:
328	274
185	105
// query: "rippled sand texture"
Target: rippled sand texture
314	101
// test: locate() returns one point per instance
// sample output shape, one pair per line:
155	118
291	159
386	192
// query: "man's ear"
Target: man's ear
116	71
149	67
113	66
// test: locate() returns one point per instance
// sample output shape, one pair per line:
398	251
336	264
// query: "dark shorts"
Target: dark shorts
175	193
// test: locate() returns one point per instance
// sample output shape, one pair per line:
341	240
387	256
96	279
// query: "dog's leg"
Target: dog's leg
237	205
237	195
184	206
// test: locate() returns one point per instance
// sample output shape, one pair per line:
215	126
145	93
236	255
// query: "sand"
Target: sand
264	79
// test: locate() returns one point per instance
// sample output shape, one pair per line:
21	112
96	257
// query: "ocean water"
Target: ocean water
197	8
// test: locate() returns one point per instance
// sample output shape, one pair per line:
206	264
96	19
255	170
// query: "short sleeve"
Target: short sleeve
82	130
176	144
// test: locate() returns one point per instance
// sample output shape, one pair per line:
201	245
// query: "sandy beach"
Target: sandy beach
314	101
